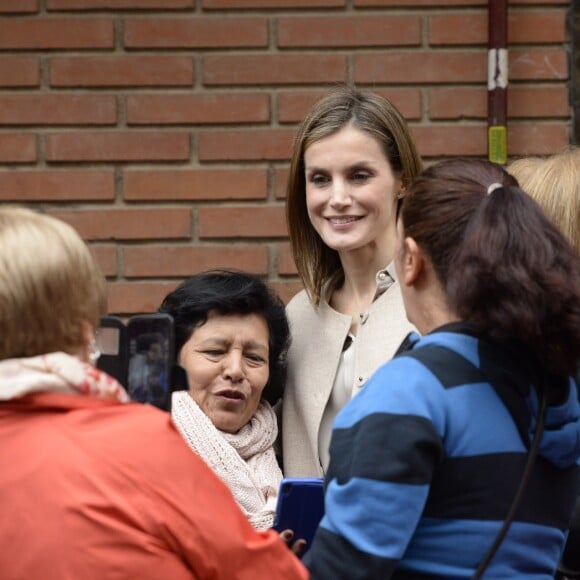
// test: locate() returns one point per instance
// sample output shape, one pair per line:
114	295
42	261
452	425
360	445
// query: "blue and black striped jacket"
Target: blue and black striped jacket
426	460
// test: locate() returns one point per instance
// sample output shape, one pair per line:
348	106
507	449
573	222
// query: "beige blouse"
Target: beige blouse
318	335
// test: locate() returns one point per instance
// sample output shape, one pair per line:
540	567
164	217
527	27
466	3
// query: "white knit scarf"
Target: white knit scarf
245	460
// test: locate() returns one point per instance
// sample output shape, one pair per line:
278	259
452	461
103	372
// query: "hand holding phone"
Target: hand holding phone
300	507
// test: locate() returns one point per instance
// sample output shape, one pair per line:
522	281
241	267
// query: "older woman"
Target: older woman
88	487
231	337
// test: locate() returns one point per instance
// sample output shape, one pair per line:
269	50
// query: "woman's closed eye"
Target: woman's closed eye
213	352
256	359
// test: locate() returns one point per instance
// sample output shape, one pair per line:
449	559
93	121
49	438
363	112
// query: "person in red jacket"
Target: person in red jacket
92	486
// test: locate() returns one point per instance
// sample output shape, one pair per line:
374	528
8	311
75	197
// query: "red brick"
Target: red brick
20	71
469	102
429	3
449	140
554	2
471	140
536	65
117	146
42	185
538	101
53	109
106	257
15	6
286	289
170	261
458	103
279	4
419	3
137	297
281	175
293	106
247	145
421	67
198	109
17	148
244	222
349	30
273	69
118	4
128	224
286	264
407	101
121	71
523	28
196	32
535	138
195	184
53	33
473	29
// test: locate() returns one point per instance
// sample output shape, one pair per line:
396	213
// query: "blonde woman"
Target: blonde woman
92	486
554	182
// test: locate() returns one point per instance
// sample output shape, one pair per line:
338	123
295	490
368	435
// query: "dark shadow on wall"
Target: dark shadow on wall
574	19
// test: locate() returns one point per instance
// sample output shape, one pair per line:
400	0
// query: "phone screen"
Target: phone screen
150	339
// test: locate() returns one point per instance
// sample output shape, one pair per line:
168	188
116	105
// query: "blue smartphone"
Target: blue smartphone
300	507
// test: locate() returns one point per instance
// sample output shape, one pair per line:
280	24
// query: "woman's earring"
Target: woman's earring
94	351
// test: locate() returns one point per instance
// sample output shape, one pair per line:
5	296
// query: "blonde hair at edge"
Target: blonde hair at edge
554	183
50	285
317	263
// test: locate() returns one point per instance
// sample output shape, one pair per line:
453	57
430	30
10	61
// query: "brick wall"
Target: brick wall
161	129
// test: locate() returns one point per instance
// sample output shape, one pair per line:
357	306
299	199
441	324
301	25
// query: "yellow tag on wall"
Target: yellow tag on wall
497	144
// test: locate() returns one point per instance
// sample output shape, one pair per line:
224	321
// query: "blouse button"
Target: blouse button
364	316
382	276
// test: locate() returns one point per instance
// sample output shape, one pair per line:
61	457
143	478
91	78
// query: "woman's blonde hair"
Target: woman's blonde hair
315	261
554	183
50	285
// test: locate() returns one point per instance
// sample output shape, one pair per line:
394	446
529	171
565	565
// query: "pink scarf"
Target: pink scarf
245	460
56	372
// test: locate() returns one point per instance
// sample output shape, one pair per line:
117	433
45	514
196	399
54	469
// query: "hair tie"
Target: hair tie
493	187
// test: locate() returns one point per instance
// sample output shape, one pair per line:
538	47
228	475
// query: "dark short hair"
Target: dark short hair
232	292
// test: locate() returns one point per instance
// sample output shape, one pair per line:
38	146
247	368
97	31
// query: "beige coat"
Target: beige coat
318	335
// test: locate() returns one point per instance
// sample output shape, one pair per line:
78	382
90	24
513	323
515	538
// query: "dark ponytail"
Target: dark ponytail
503	265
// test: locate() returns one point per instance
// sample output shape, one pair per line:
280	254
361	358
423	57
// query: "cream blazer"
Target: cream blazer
318	335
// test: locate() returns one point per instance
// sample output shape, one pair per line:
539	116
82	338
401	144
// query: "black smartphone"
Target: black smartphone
112	342
150	359
300	507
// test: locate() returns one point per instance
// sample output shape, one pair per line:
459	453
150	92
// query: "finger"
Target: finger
298	546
